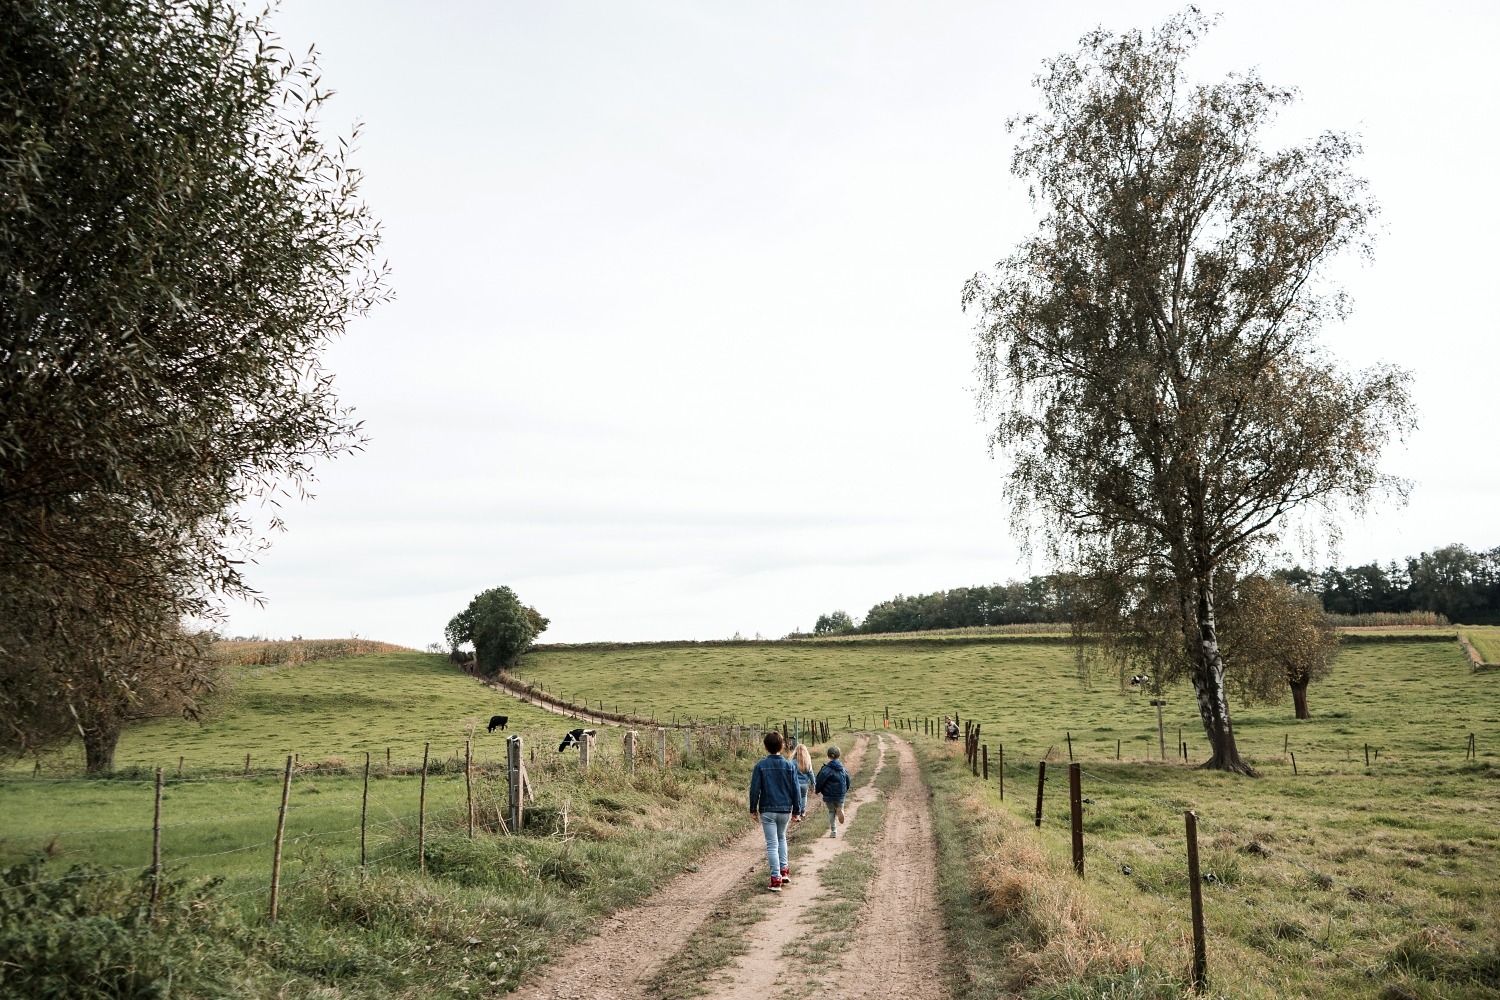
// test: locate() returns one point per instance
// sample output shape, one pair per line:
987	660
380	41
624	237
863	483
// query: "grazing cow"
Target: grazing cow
1139	679
498	722
574	737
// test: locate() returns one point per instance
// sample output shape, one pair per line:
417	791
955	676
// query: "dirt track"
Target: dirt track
897	950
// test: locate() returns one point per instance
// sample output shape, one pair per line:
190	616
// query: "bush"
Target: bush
88	934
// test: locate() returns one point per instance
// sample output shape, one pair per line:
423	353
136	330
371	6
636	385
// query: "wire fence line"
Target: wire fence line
305	812
1138	824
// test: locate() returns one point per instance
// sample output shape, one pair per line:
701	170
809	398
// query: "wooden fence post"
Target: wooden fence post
1161	733
364	812
247	765
1294	763
514	780
1041	782
155	851
985	752
286	794
179	766
422	815
1070	747
1195	892
1075	810
469	782
1002	772
630	752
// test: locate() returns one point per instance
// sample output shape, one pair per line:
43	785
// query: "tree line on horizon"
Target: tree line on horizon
1460	583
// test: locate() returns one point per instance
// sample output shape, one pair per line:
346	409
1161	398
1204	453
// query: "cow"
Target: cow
1139	679
498	722
574	737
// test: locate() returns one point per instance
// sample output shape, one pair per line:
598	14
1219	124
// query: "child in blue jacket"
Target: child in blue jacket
774	800
833	785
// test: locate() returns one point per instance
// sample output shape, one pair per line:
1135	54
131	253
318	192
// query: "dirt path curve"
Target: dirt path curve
521	694
897	950
615	964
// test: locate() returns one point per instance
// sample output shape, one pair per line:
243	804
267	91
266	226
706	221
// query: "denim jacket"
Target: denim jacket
773	786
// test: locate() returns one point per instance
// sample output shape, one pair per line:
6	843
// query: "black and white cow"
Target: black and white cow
575	737
1139	679
498	722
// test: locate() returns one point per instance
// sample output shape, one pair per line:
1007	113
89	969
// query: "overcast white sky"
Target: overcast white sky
677	349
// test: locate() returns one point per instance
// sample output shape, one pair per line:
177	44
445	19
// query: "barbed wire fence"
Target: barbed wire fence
303	810
1147	824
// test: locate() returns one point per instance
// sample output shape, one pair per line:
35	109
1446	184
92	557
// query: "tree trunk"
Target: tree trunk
99	743
1299	699
1208	682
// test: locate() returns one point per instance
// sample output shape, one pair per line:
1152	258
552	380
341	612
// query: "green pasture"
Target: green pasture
1333	881
1415	703
1486	641
593	842
219	821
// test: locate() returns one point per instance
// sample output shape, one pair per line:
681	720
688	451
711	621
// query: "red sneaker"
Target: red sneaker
775	884
786	876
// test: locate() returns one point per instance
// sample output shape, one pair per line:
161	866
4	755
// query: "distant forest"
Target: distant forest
1455	581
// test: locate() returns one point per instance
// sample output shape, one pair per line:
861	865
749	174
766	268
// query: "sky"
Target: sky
677	351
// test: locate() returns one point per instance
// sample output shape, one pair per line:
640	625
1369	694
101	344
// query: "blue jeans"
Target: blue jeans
774	825
804	786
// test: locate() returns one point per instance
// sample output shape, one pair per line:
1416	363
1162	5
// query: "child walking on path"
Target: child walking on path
776	802
833	785
803	759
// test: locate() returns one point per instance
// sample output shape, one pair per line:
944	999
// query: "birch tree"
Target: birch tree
1149	359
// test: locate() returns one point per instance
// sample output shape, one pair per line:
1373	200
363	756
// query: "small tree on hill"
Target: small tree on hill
499	626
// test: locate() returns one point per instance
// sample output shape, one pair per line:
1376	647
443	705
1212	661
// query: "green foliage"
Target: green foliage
837	623
87	934
500	627
177	245
1038	600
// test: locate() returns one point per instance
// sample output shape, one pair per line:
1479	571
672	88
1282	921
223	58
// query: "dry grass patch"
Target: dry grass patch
1055	931
295	651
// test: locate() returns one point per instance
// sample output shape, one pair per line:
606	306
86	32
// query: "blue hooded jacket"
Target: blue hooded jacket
773	786
833	781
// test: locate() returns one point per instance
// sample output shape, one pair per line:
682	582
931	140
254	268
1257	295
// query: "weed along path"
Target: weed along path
892	948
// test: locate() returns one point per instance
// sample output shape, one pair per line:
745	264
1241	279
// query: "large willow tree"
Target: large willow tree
177	246
1149	357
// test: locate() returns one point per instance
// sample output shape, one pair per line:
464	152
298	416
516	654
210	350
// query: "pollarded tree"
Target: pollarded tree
1278	640
177	245
499	626
1149	357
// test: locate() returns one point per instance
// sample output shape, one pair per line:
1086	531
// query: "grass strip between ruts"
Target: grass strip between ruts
723	936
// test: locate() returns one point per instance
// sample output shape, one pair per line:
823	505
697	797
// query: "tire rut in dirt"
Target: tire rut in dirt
898	950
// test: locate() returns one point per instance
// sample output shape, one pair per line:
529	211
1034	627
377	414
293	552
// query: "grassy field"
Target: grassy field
1486	640
1338	880
487	910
